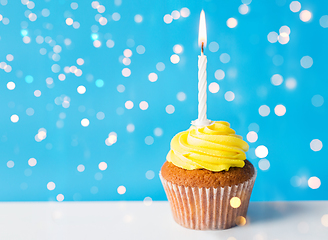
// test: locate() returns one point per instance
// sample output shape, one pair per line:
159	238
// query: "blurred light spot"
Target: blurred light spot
98	176
232	22
314	182
175	59
175	14
264	164
11	85
96	43
181	96
235	202
51	186
69	21
316	145
277	60
280	110
126	61
283	39
291	83
103	21
138	18
219	74
214	87
168	18
143	105
110	43
37	93
158	132
26	39
296	181
247	2
126	72
76	25
80	61
243	9
120	111
130	127
60	197
32	162
85	122
264	110
160	66
9	57
120	88
149	140
24	32
224	57
74	5
140	49
254	127
177	49
45	12
100	115
261	151
150	174
295	6
252	137
305	15
30	111
32	17
129	104
284	30
94	190
99	83
152	77
317	100
102	166
61	77
94	36
213	46
185	12
116	16
229	96
112	138
170	109
67	41
324	220
80	168
55	68
147	201
240	221
121	190
324	21
14	118
127	53
81	89
306	62
10	164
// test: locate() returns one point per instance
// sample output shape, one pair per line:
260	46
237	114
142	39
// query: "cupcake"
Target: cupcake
207	179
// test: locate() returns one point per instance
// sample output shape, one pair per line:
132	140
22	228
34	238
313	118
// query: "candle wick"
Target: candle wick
202	49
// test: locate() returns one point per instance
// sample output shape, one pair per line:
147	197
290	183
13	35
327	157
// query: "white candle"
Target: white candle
202	76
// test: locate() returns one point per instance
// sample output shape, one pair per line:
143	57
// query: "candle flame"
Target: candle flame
202	36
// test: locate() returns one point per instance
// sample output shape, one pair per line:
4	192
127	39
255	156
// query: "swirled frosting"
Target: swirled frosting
215	148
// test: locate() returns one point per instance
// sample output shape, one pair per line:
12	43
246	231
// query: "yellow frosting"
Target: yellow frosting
215	148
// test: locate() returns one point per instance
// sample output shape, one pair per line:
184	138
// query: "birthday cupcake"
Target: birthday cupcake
207	179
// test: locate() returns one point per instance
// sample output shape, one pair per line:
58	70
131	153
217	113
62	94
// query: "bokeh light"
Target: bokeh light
316	145
261	151
314	182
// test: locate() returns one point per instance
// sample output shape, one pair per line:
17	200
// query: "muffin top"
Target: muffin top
214	148
203	178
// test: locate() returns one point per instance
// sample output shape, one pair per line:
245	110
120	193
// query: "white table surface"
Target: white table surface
135	220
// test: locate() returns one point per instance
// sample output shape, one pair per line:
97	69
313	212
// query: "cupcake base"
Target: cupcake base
209	208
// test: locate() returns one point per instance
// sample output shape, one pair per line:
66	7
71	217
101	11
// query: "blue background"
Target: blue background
253	61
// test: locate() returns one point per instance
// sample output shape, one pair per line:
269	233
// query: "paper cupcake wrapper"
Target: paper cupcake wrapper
208	208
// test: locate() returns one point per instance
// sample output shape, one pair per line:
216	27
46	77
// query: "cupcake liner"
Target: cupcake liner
208	208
